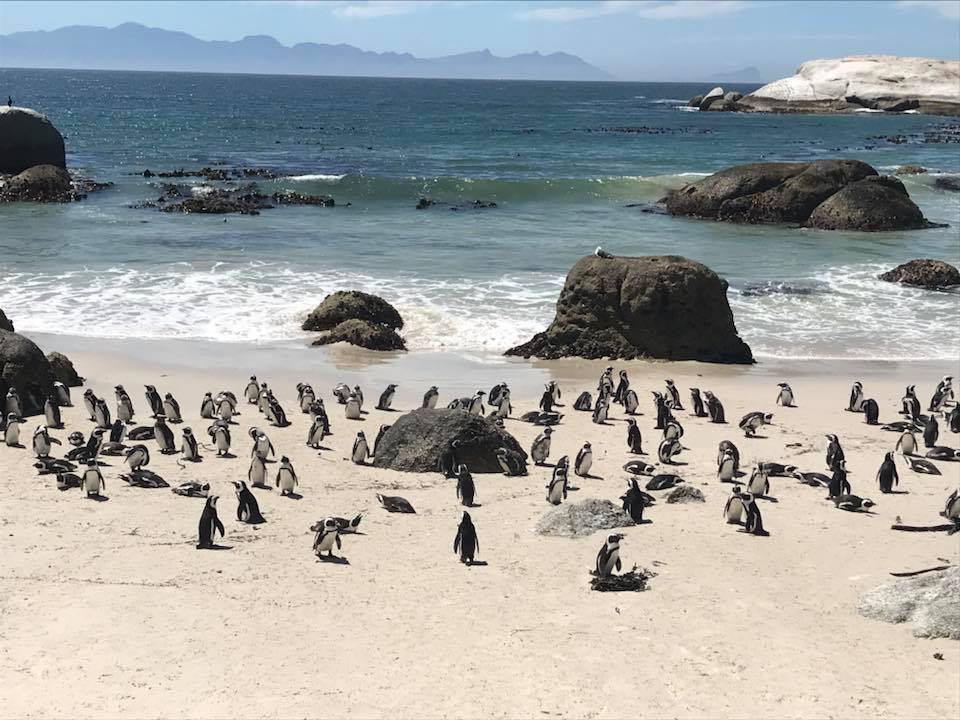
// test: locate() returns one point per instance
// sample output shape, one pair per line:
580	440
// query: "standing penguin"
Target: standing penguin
635	500
834	452
208	408
51	413
171	408
188	446
352	407
13	405
154	401
557	487
754	521
306	397
257	474
286	477
839	485
733	510
715	408
887	475
605	384
602	410
910	402
622	387
931	431
449	460
634	438
248	510
316	433
608	558
663	412
327	536
554	387
360	451
89	401
163	435
386	397
727	468
856	398
92	482
466	542
124	405
785	396
951	511
62	393
673	399
466	490
871	412
220	434
42	442
759	485
261	444
726	446
631	403
252	391
226	407
101	414
476	404
584	461
511	463
942	394
137	457
697	401
11	435
504	408
546	400
669	447
907	444
430	397
540	450
209	524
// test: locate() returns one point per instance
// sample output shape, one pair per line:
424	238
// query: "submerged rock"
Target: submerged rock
352	305
930	274
63	370
665	307
425	202
28	139
23	366
365	334
928	602
948	182
415	442
43	183
870	205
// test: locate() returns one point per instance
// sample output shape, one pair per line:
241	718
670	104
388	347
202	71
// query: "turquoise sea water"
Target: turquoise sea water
563	162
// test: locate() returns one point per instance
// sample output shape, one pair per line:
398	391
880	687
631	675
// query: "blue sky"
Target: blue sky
652	40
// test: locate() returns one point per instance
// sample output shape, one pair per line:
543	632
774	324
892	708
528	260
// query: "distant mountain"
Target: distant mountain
135	47
743	75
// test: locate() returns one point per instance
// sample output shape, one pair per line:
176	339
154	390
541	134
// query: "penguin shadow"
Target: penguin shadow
215	547
675	463
98	498
389	410
18	446
227	456
756	437
262	487
764	533
293	496
644	521
169	452
480	505
768	498
333	559
476	563
896	492
588	476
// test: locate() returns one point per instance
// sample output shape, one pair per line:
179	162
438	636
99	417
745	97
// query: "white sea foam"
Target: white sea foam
316	178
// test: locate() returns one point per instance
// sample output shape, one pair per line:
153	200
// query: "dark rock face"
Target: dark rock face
948	182
695	101
246	199
415	441
870	205
23	366
352	305
28	138
42	183
5	323
364	334
665	307
794	192
426	202
931	274
63	370
910	170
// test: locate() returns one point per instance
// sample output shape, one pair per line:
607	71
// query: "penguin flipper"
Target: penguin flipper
218	526
456	542
339	543
476	543
619	563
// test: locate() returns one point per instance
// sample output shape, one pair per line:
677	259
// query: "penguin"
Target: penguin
942	394
171	408
726	468
540	450
852	503
327	536
608	558
634	501
163	435
554	387
673	430
910	402
261	444
13	406
599	252
395	504
953	419
834	452
191	489
286	477
220	434
602	410
11	435
466	490
89	402
115	446
124	405
512	464
900	426
209	524
48	466
939	452
316	433
907	444
546	400
622	387
257	474
557	487
476	404
775	469
759	484
584	402
871	412
51	413
252	391
663	412
92	482
634	439
341	392
154	401
42	442
638	467
504	407
754	522
584	461
188	446
263	398
306	397
386	397
727	446
225	407
352	407
137	457
359	394
663	482
856	398
248	510
101	414
67	480
751	422
361	451
785	396
919	465
276	415
449	460
319	412
951	511
673	401
631	403
669	447
887	475
715	408
380	433
697	401
62	393
733	509
839	485
466	543
91	449
430	398
931	431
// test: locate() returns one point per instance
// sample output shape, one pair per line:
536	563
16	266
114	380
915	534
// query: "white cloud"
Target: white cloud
687	9
650	9
947	8
378	8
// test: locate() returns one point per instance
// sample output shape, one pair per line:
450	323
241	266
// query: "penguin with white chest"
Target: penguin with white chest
219	432
361	450
856	398
153	400
584	461
92	482
386	397
316	433
430	398
634	438
189	448
51	412
557	487
286	477
352	407
727	468
252	391
62	393
733	510
13	405
257	474
248	510
759	485
208	408
907	444
171	408
163	435
785	396
137	457
608	559
540	450
11	434
101	414
209	524
261	444
327	536
42	442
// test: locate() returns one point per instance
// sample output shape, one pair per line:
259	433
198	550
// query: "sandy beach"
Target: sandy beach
107	610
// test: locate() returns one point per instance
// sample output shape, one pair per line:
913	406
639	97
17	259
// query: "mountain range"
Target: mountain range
132	46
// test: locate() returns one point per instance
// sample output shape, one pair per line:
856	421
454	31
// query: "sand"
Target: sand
107	610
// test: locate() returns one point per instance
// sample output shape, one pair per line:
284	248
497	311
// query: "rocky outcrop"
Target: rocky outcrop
23	366
208	200
42	183
415	442
910	170
827	194
948	182
875	82
930	274
63	370
28	138
5	323
365	334
352	305
665	307
695	101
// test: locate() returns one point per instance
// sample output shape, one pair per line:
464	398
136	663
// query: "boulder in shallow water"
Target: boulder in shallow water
5	323
42	183
415	442
665	307
695	101
365	334
352	305
27	139
948	182
928	602
910	170
63	370
930	274
873	204
23	366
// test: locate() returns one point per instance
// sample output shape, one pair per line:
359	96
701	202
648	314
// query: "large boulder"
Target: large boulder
352	305
28	138
931	274
665	307
870	205
415	442
23	366
364	334
793	192
5	323
63	370
41	183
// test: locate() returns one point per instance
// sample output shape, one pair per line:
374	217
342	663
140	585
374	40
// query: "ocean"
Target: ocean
569	165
